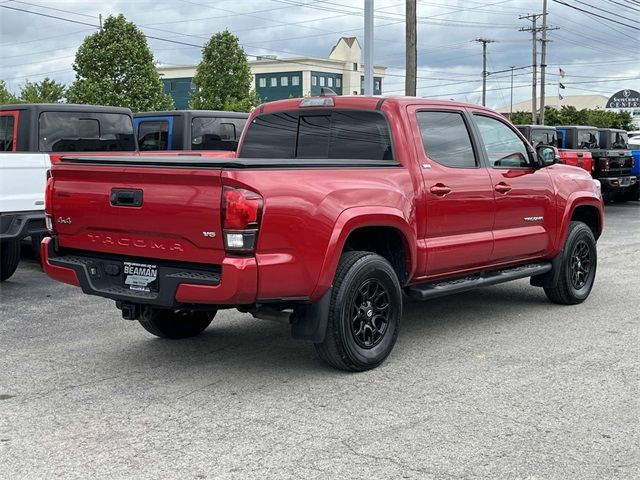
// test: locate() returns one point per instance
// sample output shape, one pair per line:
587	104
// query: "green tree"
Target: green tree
46	91
568	115
223	77
115	67
6	97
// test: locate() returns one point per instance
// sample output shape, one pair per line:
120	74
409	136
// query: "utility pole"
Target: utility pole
100	18
543	58
368	47
511	101
411	61
485	73
534	63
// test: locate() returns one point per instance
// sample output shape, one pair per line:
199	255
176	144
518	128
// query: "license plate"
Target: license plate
142	277
624	182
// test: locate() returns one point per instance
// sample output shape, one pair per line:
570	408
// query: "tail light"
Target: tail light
48	203
241	215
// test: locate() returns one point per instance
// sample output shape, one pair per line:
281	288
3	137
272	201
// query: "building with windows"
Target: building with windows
278	78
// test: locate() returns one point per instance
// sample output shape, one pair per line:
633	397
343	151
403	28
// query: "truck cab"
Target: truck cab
188	130
611	166
31	136
547	135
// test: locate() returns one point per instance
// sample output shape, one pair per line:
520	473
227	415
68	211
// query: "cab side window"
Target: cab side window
446	139
504	148
7	123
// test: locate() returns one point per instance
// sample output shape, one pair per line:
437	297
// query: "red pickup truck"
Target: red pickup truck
332	209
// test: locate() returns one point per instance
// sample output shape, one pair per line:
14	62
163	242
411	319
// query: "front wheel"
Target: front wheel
9	258
364	315
578	268
176	324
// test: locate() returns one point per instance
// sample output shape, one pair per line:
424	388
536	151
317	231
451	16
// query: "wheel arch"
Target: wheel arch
373	229
588	210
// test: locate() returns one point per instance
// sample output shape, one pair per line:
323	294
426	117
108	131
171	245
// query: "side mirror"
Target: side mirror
547	155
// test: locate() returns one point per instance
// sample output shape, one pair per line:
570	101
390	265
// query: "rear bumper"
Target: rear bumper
232	283
18	225
616	183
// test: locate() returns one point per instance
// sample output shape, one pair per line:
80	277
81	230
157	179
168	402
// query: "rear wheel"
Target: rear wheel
578	269
365	312
9	258
176	324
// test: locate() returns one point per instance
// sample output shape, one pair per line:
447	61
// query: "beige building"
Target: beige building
292	77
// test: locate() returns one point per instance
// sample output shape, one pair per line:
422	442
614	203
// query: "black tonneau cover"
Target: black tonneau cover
197	161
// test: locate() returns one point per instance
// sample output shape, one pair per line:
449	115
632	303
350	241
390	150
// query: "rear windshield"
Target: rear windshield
319	133
7	123
543	137
85	132
153	135
619	140
215	133
587	139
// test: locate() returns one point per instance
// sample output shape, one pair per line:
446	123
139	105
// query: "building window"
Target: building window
322	81
172	86
330	82
295	81
284	81
338	83
314	80
377	85
262	82
355	66
274	81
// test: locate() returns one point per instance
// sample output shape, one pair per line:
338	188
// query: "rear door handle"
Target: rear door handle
502	187
440	189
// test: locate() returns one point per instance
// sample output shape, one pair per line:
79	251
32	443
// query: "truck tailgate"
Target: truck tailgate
158	211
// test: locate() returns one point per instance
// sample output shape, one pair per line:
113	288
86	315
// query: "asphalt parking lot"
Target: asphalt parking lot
494	383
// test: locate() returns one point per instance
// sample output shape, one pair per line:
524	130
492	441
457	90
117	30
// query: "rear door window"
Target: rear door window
7	124
214	133
330	134
153	135
85	132
503	146
446	139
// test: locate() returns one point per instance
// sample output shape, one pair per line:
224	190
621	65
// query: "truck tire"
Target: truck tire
176	324
578	268
364	315
633	193
9	258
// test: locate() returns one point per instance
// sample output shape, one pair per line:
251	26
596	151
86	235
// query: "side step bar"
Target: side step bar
426	291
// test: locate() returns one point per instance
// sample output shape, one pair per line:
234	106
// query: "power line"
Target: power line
55	9
587	12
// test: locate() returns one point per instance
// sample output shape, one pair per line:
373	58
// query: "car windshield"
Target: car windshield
619	140
587	139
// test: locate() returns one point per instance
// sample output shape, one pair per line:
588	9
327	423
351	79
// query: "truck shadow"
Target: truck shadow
241	344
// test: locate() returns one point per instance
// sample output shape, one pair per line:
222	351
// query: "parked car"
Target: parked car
634	145
547	135
188	130
618	140
612	167
333	207
28	135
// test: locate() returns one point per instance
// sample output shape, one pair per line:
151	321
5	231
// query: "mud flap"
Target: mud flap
549	279
310	320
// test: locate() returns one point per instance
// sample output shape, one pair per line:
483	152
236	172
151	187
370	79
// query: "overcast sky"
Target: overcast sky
599	57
